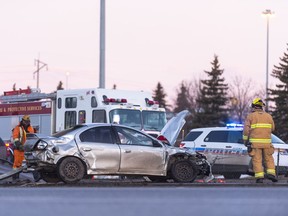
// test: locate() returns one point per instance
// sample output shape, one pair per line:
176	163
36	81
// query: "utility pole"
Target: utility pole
40	65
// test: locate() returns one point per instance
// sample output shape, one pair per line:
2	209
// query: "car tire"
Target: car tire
71	170
184	171
232	175
50	177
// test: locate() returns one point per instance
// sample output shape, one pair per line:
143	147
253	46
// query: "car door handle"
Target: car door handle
86	149
127	151
203	145
228	146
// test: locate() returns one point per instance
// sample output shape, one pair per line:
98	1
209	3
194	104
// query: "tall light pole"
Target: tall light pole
268	13
102	45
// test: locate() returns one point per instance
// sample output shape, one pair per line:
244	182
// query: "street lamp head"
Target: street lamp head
268	13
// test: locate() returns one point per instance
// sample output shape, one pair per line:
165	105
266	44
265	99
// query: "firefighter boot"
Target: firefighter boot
259	180
272	178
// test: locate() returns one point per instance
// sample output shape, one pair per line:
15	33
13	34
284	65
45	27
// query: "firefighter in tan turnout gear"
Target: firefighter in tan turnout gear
257	132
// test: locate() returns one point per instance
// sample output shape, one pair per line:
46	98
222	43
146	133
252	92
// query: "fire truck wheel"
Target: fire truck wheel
71	170
184	171
50	177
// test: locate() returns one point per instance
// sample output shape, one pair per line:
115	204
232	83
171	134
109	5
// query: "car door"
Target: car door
98	146
212	145
139	154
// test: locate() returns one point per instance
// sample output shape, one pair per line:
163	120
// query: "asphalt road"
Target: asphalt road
131	201
139	197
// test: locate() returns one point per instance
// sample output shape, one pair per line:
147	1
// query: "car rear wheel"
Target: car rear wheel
184	171
71	170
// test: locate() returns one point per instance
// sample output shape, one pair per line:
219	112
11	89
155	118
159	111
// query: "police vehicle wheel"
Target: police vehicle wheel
184	171
71	170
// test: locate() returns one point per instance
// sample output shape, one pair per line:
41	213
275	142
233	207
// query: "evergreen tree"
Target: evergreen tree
279	97
160	95
183	102
212	99
183	98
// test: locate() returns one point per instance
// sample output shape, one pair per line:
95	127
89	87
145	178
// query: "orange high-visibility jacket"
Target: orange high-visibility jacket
19	133
258	127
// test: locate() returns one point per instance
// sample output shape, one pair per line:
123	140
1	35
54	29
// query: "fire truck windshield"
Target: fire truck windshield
146	120
128	117
153	121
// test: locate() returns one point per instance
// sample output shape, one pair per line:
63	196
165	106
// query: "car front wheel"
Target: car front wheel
184	171
71	170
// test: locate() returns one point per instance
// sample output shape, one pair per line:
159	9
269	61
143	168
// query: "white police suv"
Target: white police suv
226	152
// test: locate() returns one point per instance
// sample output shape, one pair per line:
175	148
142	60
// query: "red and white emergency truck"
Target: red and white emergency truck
63	109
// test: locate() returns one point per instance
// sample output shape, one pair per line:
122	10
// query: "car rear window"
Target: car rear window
224	136
193	135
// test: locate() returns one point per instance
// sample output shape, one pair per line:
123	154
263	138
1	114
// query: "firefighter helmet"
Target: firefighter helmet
26	118
258	102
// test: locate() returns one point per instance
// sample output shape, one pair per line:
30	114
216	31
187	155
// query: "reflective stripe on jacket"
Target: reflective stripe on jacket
258	127
19	134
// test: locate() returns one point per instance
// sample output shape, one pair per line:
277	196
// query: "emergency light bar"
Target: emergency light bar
113	100
234	125
150	102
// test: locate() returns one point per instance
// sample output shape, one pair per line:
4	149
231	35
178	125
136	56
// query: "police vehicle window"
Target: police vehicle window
82	117
59	103
99	116
193	135
97	135
70	119
216	136
131	137
93	101
70	102
235	137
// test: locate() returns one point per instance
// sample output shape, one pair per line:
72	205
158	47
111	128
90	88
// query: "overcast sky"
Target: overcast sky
147	41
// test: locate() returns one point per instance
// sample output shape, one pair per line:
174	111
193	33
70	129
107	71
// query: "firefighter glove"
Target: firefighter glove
21	148
249	146
17	144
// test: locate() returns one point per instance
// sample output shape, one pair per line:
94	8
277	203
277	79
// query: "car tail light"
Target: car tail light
181	145
162	139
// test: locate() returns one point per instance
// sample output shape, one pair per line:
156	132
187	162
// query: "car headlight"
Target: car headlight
41	145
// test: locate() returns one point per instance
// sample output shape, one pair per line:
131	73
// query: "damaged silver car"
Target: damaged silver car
112	149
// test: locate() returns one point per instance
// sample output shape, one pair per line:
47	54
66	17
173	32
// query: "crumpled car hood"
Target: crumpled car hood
173	127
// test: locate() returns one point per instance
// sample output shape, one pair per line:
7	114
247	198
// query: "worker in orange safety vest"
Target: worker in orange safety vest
19	139
257	133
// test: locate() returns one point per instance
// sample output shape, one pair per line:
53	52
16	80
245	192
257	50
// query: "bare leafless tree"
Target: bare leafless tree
241	93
